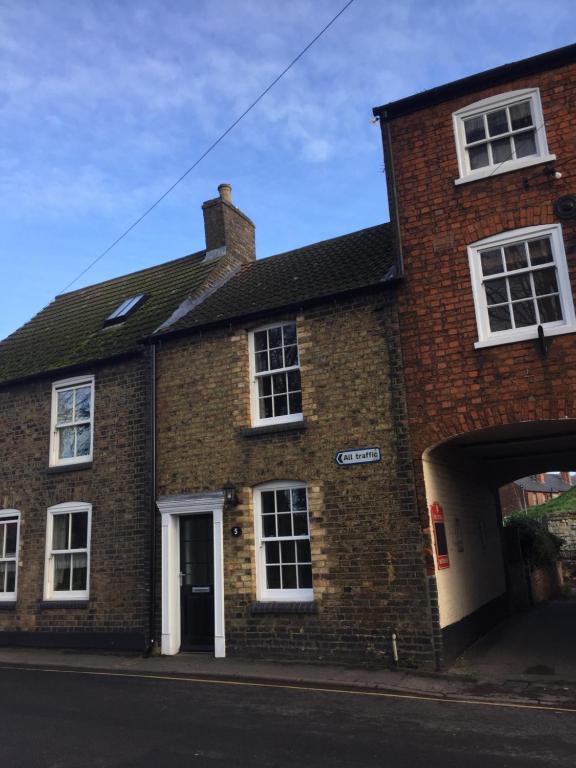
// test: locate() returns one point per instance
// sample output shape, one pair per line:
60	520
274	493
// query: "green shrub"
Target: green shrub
539	546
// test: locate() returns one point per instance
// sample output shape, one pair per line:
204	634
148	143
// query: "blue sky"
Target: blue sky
104	104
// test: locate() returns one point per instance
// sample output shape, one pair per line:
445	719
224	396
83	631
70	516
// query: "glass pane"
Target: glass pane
545	281
492	262
303	550
272	552
10	576
268	525
520	286
499	318
288	550
264	386
496	291
290	334
283	500
295	402
550	309
65	406
260	340
501	151
62	572
66	442
524	314
261	361
291	356
300	524
525	144
275	337
79	571
2	539
266	408
285	525
273	576
3	577
11	530
305	576
293	378
276	360
268	501
83	398
478	157
60	532
79	530
289	577
497	122
281	405
83	440
279	381
474	129
299	499
515	256
540	251
520	115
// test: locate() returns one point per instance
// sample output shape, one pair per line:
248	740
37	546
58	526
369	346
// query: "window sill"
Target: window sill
47	604
272	429
532	335
517	165
281	607
7	605
59	469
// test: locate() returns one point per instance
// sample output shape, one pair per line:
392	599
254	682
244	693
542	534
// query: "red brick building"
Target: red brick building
483	200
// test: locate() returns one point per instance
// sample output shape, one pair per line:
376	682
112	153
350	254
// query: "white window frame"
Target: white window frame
263	593
257	421
488	338
488	105
57	386
61	595
11	513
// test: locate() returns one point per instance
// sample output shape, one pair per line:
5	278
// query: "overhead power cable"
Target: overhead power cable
211	147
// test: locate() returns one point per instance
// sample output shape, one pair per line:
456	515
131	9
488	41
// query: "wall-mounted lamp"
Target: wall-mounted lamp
230	496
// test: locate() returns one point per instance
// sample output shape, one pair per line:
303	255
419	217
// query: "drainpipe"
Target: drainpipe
153	510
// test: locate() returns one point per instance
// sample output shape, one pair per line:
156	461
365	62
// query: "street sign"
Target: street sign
357	456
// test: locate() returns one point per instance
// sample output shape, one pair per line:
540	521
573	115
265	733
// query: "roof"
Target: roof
491	77
340	265
69	332
552	484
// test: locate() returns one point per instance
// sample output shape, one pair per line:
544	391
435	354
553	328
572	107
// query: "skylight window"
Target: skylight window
126	308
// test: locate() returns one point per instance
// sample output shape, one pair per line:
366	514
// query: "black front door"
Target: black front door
197	583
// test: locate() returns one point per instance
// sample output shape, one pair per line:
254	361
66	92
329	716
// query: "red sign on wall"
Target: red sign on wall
437	516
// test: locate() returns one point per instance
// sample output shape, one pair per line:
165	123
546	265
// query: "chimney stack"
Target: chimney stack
228	231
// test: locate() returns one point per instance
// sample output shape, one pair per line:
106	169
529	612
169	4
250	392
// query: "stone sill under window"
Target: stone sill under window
257	609
507	167
57	470
7	605
272	429
47	604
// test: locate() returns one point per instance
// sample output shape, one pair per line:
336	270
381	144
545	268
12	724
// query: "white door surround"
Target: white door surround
171	508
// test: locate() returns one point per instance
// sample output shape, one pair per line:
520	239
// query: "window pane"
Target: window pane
290	334
268	501
289	577
300	524
291	356
276	360
273	576
497	122
260	340
83	398
79	571
60	532
285	525
524	314
62	572
474	128
303	550
478	157
65	406
550	309
268	525
299	501
515	256
520	115
66	442
264	386
2	539
261	361
79	530
540	251
288	550
501	151
520	286
491	262
10	532
3	577
305	576
281	405
293	378
266	408
283	500
83	440
525	144
275	337
499	318
279	382
272	552
10	576
545	281
295	402
496	291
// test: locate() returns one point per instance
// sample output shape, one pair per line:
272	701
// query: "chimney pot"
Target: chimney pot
225	192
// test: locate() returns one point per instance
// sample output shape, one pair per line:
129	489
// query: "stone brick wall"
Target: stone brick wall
368	572
117	486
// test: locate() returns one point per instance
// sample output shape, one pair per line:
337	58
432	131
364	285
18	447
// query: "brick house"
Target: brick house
533	490
481	184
